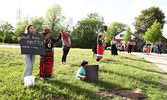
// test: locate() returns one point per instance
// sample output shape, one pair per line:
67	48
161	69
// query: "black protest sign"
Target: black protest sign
32	44
92	73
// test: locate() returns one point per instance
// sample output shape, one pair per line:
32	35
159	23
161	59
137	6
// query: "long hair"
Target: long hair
27	29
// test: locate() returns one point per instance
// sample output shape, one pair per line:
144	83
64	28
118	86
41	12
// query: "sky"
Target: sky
112	10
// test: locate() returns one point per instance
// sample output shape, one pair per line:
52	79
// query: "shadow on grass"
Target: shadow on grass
123	63
72	89
105	60
135	59
107	85
148	70
148	82
45	90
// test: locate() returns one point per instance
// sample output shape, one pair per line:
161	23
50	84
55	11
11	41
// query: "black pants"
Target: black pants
129	48
159	51
65	52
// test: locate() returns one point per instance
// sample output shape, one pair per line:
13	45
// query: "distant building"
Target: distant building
120	40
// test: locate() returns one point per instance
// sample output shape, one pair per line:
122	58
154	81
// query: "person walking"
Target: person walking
159	46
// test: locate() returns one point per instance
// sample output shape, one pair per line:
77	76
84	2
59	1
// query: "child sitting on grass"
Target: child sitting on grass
81	74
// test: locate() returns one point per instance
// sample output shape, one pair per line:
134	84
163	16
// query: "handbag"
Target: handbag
29	81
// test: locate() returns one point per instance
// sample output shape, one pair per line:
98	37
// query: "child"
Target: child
81	74
46	61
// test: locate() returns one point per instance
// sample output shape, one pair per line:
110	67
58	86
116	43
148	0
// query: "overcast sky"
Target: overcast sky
112	10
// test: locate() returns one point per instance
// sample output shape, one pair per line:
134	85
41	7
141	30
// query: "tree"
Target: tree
147	18
154	33
20	27
96	16
128	34
85	34
54	19
5	29
114	29
38	23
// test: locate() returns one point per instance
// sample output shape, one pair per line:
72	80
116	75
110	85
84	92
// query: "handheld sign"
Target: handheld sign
70	24
92	73
32	44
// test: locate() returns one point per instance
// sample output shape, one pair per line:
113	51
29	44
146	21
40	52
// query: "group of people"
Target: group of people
46	61
101	47
114	47
147	48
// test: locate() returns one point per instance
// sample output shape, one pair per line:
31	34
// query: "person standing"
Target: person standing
100	48
29	58
129	47
46	61
159	46
114	47
65	36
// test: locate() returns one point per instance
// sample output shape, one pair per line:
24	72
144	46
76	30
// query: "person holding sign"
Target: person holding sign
46	61
81	74
65	36
29	58
100	45
100	48
114	47
130	46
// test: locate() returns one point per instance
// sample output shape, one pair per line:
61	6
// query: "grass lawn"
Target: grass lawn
119	72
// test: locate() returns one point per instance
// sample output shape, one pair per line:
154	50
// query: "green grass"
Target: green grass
8	43
119	72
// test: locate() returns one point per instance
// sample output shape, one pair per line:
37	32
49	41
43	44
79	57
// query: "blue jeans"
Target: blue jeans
29	61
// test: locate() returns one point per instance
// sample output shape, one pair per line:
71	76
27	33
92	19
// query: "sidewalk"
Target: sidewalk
159	60
9	46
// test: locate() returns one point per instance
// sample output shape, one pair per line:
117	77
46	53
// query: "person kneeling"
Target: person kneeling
81	74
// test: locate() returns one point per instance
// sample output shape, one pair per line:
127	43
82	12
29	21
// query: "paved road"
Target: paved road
10	46
159	60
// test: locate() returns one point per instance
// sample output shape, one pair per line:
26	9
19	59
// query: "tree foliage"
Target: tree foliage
114	29
96	16
147	18
85	34
54	19
128	34
154	33
6	29
20	26
38	23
